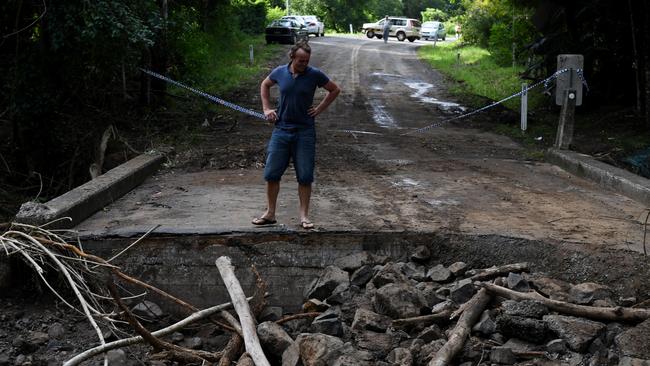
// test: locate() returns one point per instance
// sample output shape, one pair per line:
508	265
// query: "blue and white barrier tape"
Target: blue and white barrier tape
206	95
261	116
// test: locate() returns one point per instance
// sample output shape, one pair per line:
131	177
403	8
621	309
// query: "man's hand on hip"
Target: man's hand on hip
271	115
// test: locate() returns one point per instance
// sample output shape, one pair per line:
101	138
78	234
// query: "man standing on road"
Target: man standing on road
386	29
294	135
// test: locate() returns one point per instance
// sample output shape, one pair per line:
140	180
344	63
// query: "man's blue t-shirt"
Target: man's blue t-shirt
296	95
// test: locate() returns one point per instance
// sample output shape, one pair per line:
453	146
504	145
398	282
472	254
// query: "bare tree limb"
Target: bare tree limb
178	352
462	329
597	313
489	273
442	317
246	319
298	316
159	333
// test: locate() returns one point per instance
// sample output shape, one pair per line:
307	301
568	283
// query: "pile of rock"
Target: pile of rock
377	312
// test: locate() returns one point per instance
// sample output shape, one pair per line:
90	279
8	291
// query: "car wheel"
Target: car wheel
322	34
370	34
443	38
401	36
411	39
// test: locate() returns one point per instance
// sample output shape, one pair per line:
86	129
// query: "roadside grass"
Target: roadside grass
476	77
478	74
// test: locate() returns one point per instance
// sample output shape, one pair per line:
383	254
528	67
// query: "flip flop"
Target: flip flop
307	225
263	221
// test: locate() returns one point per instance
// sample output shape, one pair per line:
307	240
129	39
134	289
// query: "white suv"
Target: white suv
314	25
402	28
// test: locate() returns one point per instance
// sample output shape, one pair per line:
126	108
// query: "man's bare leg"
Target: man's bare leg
272	191
304	194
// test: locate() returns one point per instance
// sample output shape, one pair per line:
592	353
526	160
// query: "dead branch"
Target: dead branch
609	314
232	321
232	350
441	317
236	342
178	353
298	316
462	329
489	273
246	318
159	333
132	280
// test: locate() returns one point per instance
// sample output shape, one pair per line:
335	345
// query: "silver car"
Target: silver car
433	30
314	25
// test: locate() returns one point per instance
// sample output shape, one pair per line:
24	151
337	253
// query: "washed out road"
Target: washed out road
378	178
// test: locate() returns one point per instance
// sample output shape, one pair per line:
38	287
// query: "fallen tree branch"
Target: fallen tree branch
298	316
597	313
489	273
246	319
159	333
176	352
441	317
462	329
132	280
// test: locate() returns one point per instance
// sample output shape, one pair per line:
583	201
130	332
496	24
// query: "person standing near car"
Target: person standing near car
386	29
294	135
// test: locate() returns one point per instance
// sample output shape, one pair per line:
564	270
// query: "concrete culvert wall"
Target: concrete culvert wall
185	265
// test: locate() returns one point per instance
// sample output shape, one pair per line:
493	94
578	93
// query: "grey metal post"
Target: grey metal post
524	107
351	28
250	54
564	136
568	94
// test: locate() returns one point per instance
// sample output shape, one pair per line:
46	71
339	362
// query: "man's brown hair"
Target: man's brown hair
300	45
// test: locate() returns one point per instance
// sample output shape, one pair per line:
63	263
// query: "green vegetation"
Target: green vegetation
478	73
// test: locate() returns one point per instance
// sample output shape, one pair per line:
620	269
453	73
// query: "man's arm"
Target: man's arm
265	93
333	91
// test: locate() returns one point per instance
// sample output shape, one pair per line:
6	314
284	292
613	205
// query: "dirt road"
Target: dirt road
447	178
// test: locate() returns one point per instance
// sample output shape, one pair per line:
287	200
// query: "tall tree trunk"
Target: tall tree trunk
635	60
646	60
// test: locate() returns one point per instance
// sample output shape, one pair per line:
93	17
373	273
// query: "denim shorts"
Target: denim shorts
298	145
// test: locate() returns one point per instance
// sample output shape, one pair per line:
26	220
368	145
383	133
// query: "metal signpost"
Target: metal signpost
568	94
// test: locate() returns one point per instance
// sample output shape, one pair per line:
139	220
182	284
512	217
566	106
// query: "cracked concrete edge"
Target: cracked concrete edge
605	175
83	201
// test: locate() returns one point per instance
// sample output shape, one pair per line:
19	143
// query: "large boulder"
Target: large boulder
529	329
273	338
390	273
318	349
578	332
398	300
588	292
525	308
635	342
331	278
355	261
369	320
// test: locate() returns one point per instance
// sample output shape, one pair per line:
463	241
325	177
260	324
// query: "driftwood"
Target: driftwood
462	329
492	272
441	317
597	313
246	318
